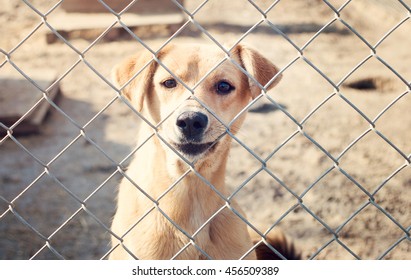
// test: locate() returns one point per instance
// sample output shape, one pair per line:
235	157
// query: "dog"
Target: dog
171	203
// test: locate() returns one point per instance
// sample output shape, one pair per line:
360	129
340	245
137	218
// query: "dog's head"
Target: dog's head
194	101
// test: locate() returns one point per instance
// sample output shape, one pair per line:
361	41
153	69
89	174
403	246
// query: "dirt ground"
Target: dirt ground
346	162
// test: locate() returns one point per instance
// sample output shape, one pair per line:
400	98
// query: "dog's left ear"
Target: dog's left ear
259	67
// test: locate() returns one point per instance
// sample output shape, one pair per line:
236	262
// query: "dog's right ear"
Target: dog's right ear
141	83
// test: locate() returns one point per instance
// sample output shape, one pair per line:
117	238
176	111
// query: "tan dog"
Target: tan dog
188	133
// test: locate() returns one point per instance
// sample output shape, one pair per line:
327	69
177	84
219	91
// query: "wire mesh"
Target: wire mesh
82	214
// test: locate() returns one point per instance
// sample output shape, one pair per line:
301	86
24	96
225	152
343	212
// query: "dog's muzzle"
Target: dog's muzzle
191	126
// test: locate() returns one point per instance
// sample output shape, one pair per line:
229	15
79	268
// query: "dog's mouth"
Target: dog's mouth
195	149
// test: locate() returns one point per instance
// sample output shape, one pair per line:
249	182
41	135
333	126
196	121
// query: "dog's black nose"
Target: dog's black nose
192	125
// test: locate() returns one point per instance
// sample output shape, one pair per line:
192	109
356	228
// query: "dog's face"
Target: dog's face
172	93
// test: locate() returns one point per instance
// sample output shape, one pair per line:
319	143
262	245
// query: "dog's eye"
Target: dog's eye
170	83
224	87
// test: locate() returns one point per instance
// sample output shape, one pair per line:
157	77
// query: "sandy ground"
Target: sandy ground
343	197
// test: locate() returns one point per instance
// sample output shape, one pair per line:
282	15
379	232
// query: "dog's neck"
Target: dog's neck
196	195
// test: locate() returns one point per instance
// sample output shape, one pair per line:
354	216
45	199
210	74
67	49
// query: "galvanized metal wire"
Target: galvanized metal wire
299	129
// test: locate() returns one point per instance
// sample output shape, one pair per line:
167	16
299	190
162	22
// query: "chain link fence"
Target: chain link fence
325	156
